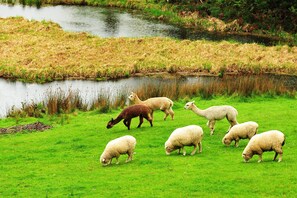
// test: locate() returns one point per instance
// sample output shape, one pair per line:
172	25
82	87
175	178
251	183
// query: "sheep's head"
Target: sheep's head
189	105
169	148
132	96
226	141
110	123
246	156
104	161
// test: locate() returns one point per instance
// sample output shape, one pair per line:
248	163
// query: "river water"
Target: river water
14	93
111	22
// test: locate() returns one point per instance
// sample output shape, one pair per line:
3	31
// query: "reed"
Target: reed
246	86
64	102
60	102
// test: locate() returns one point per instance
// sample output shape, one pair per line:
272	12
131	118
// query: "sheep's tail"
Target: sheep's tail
170	103
284	142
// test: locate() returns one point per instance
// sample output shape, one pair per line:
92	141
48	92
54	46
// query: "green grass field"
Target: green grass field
64	161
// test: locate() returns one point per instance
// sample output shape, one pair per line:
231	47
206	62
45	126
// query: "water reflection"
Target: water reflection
95	20
110	22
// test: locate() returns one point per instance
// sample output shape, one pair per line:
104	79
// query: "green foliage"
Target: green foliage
271	14
64	161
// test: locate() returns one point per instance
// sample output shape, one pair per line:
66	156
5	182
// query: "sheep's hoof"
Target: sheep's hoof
259	161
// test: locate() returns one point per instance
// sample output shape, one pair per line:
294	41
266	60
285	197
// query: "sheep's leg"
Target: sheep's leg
280	157
195	148
260	158
140	121
275	156
280	152
166	113
117	160
184	151
179	150
211	124
200	147
171	112
130	154
236	142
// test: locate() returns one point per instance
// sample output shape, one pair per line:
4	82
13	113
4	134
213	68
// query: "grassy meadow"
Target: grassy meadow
42	52
64	161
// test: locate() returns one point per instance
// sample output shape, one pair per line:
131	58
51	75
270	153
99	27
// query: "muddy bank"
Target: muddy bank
37	126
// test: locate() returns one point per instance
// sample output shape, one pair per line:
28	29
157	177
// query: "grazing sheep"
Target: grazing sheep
186	136
130	112
115	148
162	103
215	113
240	131
268	141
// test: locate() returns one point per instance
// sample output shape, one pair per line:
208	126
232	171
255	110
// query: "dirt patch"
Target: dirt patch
37	126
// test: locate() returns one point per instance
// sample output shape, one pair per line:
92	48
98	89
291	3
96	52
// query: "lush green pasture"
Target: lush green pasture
64	161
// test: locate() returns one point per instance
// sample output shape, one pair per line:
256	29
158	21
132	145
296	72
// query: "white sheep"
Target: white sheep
240	131
215	113
115	148
268	141
186	136
157	103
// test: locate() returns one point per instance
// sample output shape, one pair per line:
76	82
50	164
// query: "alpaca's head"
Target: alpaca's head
110	123
132	96
189	105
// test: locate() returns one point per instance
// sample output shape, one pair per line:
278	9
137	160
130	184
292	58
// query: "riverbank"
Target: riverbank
42	52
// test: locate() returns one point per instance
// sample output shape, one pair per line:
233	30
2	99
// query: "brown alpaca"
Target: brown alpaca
130	112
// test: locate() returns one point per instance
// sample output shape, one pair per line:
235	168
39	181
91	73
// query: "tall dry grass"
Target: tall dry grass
245	86
42	52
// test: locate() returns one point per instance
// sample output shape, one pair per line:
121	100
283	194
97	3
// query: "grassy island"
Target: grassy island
41	52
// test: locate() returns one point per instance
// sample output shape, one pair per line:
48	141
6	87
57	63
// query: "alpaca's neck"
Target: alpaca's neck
137	100
117	120
198	111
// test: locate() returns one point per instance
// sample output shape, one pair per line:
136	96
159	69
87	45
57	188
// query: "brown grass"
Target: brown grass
42	51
